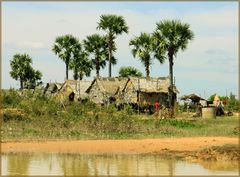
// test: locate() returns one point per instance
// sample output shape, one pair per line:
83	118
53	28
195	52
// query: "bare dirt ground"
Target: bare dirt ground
138	146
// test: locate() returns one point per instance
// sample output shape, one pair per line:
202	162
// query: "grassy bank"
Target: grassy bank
227	152
39	116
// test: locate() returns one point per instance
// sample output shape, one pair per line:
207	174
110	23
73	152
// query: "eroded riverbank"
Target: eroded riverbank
128	146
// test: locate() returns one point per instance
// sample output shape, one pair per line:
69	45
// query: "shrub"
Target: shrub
175	123
14	114
10	98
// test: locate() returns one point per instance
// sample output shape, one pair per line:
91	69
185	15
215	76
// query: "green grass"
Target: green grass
37	116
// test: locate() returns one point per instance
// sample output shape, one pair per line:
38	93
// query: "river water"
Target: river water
104	165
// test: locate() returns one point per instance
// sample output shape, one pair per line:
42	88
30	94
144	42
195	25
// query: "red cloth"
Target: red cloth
157	105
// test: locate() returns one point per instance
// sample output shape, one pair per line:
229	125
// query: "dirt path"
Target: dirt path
117	146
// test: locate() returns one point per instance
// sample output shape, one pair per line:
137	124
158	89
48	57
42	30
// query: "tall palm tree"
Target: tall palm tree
80	64
23	71
97	45
170	36
142	48
64	47
20	65
114	25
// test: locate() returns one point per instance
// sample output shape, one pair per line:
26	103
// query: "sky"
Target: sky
209	65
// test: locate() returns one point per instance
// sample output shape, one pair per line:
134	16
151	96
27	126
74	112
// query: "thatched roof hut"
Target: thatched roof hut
150	85
52	87
144	90
195	98
77	87
103	89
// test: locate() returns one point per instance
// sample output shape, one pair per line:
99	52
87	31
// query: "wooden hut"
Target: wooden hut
52	87
103	90
145	91
74	86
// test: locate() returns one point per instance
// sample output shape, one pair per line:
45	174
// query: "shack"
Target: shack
145	91
52	87
193	97
103	90
75	87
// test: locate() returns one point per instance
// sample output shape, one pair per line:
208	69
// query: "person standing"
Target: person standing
157	105
158	109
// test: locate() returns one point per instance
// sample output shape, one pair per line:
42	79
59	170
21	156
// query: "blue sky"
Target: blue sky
209	65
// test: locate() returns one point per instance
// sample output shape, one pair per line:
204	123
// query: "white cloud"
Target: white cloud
220	18
30	45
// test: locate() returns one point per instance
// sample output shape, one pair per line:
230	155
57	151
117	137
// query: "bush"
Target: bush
14	114
109	123
38	104
10	98
176	123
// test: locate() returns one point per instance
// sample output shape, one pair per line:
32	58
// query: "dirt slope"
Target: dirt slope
117	146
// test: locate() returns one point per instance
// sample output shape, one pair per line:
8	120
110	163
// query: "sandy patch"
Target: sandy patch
117	146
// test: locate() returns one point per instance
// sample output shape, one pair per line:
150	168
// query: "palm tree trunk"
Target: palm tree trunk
97	72
75	75
147	71
110	64
79	98
21	84
97	66
171	101
110	55
80	76
66	70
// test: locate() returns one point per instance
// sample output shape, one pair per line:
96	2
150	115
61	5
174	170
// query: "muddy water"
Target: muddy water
104	165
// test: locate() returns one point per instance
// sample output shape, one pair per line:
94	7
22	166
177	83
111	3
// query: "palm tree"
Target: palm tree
80	64
32	76
97	45
64	47
142	48
23	71
169	37
20	65
114	25
129	71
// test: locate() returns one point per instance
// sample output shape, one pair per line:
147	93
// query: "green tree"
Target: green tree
23	71
34	78
211	98
222	98
169	37
97	45
64	47
231	103
142	48
129	71
81	65
114	25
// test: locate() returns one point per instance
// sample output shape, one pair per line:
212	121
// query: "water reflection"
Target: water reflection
20	162
106	165
122	165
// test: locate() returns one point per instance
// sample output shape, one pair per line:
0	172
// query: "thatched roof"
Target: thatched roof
151	85
52	87
73	86
193	97
108	85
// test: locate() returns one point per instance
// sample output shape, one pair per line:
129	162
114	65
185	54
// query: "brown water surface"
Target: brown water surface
115	165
